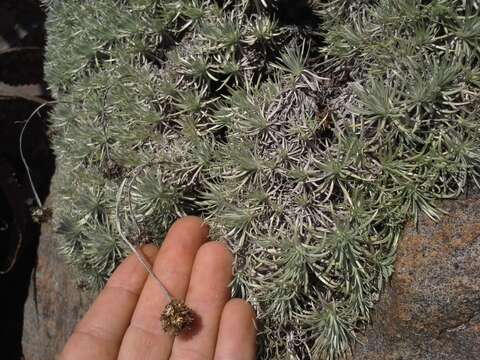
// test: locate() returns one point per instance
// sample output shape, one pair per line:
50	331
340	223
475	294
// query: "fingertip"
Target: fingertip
150	251
240	311
215	252
191	224
237	333
241	306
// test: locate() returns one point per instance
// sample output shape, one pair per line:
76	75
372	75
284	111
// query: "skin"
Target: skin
124	321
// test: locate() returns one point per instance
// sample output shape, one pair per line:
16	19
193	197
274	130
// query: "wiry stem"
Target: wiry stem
7	95
135	173
27	169
137	253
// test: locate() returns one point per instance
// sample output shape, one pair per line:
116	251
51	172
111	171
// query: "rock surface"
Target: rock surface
60	303
431	309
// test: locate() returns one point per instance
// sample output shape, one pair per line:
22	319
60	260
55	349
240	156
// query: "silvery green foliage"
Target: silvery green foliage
305	147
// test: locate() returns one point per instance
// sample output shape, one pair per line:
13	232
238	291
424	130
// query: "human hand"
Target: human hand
124	321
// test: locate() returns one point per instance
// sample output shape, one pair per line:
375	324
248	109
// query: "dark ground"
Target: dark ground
21	25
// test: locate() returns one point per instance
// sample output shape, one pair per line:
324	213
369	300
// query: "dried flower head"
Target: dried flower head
143	236
112	170
42	215
177	317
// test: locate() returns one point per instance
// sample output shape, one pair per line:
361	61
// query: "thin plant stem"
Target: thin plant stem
135	173
27	168
129	190
137	253
7	95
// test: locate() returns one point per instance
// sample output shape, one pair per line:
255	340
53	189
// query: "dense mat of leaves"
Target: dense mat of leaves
306	141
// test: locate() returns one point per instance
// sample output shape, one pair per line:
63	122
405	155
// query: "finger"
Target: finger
207	294
145	338
100	332
237	332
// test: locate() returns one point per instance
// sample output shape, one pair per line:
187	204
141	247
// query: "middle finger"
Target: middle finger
208	292
145	338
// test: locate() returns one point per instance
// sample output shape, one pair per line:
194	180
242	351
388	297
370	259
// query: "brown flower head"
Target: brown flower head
177	317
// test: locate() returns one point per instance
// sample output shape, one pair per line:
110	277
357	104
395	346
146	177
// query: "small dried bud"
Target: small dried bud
112	170
82	285
41	215
177	317
144	236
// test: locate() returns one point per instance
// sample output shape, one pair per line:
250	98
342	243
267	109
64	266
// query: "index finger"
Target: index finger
100	332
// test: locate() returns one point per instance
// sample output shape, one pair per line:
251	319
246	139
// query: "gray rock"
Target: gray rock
431	309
